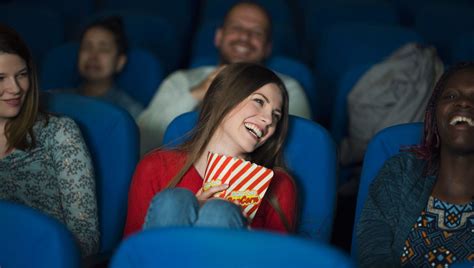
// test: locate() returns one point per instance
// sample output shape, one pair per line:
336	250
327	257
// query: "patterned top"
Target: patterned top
442	235
57	178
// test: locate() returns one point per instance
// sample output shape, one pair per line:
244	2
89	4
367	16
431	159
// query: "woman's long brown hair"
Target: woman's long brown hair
18	129
230	87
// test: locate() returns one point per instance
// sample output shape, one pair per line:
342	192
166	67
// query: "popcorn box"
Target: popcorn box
248	182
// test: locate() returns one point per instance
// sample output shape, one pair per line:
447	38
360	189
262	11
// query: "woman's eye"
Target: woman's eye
259	101
276	117
449	97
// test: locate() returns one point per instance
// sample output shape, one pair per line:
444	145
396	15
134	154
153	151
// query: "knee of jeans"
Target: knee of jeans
221	213
220	206
173	196
172	207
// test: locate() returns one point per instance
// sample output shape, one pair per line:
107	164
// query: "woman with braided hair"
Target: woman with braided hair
419	211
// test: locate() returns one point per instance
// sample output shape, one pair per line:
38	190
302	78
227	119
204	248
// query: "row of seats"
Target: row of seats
144	73
339	47
151	25
112	138
104	126
339	68
30	238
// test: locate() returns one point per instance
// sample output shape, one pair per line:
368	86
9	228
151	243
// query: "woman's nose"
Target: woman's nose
267	117
12	86
465	102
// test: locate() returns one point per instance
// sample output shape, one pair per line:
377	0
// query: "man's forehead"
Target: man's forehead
248	13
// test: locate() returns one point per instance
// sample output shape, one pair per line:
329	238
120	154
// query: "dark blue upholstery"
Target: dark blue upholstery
30	238
179	13
298	71
70	12
440	23
340	116
383	145
39	26
344	46
140	78
310	155
320	15
112	138
462	48
215	248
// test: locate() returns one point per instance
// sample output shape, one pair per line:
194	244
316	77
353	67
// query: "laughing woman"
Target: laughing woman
44	162
244	115
419	211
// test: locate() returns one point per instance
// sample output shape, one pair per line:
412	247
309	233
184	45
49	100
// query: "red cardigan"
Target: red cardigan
158	167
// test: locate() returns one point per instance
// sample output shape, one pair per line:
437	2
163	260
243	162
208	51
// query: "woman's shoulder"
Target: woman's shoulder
48	126
282	174
404	162
165	156
282	178
402	169
159	163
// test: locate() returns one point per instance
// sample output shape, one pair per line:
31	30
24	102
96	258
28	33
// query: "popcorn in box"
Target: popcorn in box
248	182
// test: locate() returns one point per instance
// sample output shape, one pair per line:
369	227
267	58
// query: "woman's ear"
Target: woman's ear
121	61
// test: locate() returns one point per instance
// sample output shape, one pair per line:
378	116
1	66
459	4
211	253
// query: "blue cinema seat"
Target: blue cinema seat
70	12
440	23
344	46
29	238
385	144
112	138
320	15
215	248
462	48
140	77
298	71
41	27
310	155
340	117
179	13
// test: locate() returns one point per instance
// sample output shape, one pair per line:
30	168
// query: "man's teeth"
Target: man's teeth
241	49
254	129
461	119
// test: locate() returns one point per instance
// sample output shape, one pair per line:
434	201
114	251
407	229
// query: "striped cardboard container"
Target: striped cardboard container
248	182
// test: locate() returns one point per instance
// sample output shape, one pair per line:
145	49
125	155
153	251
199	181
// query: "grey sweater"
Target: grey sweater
396	198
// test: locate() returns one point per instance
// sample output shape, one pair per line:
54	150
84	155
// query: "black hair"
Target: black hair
114	25
429	149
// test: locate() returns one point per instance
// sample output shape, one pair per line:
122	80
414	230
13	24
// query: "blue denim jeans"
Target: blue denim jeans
180	207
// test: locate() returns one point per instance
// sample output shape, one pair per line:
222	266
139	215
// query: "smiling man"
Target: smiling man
245	36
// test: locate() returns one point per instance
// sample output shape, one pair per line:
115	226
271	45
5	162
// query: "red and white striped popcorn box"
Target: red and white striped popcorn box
248	182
